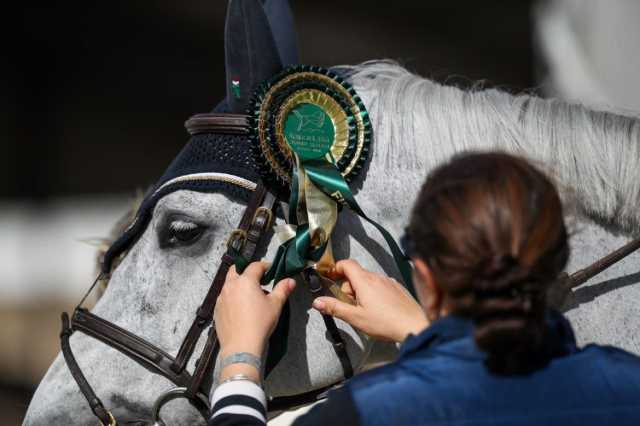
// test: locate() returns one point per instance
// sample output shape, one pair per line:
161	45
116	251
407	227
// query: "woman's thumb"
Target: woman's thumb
282	290
334	307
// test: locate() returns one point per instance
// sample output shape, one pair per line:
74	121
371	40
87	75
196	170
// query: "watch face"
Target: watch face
313	113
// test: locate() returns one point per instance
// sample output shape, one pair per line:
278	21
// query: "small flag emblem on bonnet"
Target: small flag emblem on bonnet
235	87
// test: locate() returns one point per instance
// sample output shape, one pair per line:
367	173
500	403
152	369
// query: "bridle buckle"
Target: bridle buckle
236	240
262	217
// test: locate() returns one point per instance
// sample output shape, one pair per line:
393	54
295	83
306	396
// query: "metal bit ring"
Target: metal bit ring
200	402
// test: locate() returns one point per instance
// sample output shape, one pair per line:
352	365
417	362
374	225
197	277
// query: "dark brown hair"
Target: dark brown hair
491	229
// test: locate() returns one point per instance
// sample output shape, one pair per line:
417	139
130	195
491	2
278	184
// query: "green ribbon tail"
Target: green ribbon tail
292	256
330	181
290	259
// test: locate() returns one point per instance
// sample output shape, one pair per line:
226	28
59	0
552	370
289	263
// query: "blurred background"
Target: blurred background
94	96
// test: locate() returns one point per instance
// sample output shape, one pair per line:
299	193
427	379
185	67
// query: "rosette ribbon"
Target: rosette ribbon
317	189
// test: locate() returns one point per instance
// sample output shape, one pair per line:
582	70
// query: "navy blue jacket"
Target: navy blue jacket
440	379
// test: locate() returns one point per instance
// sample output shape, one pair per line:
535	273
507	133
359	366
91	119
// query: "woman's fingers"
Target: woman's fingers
347	289
354	273
231	273
282	290
338	309
255	270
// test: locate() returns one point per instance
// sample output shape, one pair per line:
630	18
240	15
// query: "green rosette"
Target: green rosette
311	135
311	112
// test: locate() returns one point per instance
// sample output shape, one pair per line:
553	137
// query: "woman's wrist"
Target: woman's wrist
249	346
249	369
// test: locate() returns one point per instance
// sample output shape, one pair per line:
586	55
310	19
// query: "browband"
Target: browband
228	124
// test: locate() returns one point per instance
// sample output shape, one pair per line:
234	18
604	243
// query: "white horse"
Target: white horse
154	291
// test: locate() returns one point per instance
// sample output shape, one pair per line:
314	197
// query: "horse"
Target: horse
593	156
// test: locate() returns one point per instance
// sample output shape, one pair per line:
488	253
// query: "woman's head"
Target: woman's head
489	239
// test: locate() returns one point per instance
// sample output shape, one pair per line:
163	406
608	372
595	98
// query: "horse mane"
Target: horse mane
592	155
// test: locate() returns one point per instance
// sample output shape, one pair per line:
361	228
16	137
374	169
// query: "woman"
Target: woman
487	239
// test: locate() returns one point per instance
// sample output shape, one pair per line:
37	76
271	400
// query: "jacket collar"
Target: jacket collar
451	327
561	340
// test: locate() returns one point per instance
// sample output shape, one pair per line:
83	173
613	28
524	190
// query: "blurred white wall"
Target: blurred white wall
591	49
43	252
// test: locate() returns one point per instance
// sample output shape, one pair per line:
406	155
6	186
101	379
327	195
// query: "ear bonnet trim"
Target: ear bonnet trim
220	177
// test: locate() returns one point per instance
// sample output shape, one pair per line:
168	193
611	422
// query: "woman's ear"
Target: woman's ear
429	292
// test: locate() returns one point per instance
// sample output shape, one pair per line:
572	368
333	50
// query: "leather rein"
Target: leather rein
244	240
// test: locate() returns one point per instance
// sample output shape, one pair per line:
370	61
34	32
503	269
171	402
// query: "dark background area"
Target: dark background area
95	93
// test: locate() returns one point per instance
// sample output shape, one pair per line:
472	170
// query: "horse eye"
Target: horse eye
181	233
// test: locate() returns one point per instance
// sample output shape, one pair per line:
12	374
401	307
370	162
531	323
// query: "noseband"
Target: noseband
243	241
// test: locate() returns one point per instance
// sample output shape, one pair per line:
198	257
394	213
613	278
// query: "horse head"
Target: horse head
169	254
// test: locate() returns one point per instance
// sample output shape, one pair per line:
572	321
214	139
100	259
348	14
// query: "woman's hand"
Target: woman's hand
384	308
244	315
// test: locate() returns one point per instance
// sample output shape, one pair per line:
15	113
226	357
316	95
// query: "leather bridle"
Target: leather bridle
244	240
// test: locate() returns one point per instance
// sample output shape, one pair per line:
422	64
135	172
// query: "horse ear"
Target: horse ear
251	54
283	29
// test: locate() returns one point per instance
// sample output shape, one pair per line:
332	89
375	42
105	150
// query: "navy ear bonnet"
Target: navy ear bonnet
259	42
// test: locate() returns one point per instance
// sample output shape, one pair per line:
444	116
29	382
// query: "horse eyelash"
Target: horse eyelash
180	225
